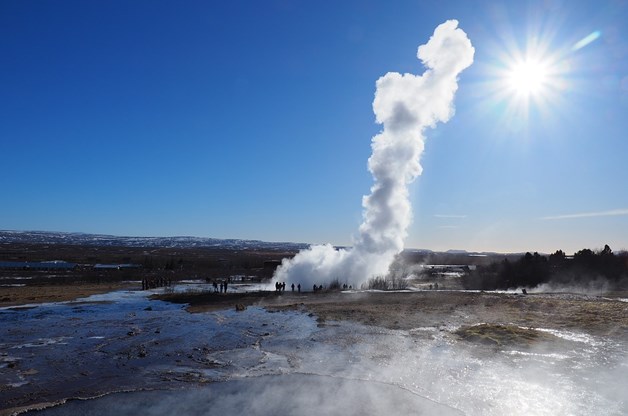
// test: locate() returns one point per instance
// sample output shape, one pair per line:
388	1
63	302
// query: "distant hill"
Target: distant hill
46	237
457	252
104	240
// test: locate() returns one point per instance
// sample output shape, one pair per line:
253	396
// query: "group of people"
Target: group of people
223	286
281	287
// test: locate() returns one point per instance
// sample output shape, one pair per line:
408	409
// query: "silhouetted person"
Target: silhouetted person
315	288
283	287
225	287
292	287
299	287
222	286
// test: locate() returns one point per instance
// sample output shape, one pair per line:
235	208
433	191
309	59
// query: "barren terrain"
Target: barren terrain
408	310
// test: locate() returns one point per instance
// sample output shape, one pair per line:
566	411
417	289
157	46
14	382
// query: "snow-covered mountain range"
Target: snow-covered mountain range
46	237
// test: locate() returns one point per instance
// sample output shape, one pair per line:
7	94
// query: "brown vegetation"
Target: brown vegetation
500	335
13	296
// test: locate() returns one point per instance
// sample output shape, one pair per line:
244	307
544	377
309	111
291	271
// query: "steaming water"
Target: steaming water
405	105
282	363
293	394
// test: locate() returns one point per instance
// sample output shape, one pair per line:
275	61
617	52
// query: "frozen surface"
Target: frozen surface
265	363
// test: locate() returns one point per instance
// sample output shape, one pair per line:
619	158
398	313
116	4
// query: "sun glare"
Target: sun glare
528	78
530	75
524	83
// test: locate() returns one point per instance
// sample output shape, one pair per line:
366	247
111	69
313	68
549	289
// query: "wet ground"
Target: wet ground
260	362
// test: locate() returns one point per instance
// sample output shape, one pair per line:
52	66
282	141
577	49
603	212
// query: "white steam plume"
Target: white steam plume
405	104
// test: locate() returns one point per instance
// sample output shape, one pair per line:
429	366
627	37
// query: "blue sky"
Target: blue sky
253	120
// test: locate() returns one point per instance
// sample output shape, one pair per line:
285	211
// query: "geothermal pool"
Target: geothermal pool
130	355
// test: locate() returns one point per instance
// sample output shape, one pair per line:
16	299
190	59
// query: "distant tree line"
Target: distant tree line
534	269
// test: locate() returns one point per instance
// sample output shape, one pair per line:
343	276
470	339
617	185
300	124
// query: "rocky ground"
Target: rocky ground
408	310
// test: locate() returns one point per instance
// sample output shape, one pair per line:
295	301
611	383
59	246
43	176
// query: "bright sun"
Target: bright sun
526	83
528	78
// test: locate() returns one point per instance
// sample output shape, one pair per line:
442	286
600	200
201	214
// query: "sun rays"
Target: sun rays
526	81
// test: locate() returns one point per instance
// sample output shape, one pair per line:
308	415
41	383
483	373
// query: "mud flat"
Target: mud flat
432	352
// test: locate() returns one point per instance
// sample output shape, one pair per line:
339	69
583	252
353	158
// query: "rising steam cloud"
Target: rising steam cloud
405	105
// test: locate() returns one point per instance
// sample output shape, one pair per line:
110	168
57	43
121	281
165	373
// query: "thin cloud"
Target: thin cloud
611	213
448	227
449	216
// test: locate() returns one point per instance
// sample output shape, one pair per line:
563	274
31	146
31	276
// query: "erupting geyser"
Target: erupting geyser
405	105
